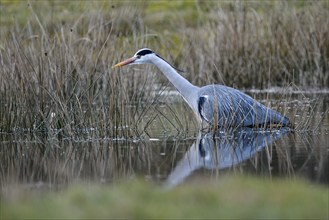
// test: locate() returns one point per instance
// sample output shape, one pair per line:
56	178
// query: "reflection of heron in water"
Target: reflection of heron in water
214	104
221	151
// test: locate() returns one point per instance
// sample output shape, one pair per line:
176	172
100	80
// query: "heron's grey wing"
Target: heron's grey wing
252	113
235	108
205	108
222	104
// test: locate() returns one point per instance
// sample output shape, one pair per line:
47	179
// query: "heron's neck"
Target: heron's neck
184	87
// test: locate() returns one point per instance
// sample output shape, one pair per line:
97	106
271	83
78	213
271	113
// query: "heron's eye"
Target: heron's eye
138	56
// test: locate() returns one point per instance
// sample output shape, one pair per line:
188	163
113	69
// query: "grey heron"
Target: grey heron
217	105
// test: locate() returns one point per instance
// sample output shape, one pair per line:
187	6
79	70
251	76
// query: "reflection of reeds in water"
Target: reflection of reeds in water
56	164
302	155
38	161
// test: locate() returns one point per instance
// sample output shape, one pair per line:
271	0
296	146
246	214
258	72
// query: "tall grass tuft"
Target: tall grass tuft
250	45
63	81
55	69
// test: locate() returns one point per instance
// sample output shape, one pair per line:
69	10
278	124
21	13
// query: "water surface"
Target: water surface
170	151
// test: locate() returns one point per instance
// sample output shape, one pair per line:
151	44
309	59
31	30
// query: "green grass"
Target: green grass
229	197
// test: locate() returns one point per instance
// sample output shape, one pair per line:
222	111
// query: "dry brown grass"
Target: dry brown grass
56	68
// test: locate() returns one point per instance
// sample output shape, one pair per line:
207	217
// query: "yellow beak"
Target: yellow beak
125	62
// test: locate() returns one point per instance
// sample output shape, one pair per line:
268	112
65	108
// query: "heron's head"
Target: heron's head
142	56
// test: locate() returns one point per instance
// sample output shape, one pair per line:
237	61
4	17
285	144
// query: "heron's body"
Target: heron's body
234	108
213	104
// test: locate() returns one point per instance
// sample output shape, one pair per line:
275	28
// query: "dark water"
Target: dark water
167	153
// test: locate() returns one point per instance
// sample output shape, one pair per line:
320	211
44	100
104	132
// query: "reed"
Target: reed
56	70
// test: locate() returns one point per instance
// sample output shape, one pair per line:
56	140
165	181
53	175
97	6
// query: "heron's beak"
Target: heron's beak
125	62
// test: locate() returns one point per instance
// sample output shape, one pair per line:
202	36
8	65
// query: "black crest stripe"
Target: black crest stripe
144	52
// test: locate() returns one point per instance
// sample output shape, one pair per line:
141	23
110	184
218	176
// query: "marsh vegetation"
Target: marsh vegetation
67	117
56	70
